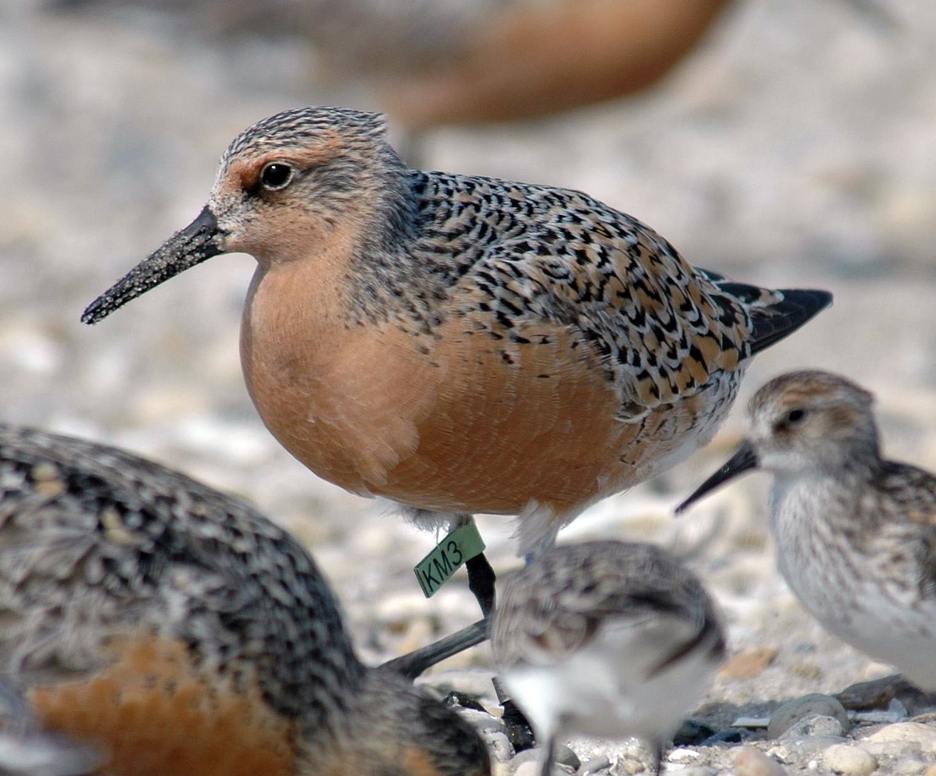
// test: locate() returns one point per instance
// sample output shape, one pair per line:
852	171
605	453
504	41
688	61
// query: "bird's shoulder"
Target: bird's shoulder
98	544
909	489
517	255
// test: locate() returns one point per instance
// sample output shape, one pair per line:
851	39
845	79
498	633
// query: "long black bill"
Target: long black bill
742	461
198	242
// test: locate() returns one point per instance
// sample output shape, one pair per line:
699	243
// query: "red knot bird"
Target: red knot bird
443	62
855	533
460	344
176	631
608	639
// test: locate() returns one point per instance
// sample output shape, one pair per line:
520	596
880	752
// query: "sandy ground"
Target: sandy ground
795	149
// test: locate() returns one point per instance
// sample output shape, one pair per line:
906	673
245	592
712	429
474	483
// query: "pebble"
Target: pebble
791	712
890	748
692	731
753	762
498	745
805	746
683	755
521	758
924	735
527	763
815	725
567	758
909	765
595	764
849	760
750	664
630	766
530	768
931	771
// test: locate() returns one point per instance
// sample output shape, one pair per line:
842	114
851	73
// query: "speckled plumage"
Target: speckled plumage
605	638
855	533
178	631
462	344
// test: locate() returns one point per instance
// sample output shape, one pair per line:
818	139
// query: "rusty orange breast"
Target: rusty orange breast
150	714
446	420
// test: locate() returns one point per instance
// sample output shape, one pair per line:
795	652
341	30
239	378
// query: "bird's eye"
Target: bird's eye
276	175
796	416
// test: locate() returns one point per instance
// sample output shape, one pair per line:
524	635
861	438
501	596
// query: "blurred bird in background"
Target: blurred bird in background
468	61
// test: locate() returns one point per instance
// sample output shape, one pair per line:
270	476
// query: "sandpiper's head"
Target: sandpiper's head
286	185
804	421
801	423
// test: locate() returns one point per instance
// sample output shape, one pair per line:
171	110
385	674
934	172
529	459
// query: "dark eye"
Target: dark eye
276	175
793	417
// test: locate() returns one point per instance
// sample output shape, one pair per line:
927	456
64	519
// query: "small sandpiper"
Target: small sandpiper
855	533
608	638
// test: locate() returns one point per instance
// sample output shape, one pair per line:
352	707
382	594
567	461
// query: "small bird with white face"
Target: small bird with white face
855	533
610	639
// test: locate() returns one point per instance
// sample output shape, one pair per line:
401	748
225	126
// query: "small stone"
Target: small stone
729	736
909	766
527	763
480	719
791	712
890	748
632	766
879	693
498	745
750	664
526	756
851	760
931	771
682	755
753	762
527	769
814	725
924	735
567	758
809	746
595	764
806	670
692	732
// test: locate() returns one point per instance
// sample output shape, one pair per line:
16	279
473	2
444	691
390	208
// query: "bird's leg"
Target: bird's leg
414	663
481	578
656	756
518	730
548	755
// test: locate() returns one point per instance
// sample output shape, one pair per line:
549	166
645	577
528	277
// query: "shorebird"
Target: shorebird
609	639
176	631
855	533
461	344
443	62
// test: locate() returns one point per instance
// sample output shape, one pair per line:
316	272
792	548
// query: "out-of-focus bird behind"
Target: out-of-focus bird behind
465	61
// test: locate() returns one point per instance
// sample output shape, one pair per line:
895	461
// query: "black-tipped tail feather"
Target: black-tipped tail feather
782	318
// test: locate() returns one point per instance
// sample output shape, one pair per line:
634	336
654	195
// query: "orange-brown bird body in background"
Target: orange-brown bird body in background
172	630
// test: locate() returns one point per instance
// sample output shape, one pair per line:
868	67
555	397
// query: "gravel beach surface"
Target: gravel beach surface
794	149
